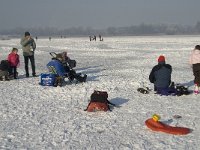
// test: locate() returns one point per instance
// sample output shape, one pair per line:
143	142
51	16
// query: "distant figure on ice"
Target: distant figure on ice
90	37
94	37
28	47
160	76
100	38
49	38
13	59
36	38
195	62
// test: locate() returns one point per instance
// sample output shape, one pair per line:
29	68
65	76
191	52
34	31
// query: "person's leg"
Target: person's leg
26	65
155	88
15	72
32	59
80	77
10	70
197	82
4	75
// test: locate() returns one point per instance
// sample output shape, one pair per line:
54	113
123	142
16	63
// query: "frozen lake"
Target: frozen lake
37	117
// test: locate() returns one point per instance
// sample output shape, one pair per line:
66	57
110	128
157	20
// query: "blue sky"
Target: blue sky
96	13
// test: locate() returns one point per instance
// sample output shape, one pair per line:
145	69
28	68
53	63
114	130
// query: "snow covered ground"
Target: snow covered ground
37	117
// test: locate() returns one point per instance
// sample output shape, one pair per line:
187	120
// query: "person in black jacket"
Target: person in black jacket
160	75
4	70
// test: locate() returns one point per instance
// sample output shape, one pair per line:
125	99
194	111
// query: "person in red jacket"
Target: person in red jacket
13	59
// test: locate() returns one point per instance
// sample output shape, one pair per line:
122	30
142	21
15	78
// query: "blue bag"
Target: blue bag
47	79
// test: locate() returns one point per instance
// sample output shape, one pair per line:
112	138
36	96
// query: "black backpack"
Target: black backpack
99	101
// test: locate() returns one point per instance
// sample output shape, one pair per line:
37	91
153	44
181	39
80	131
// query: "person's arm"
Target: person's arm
17	60
24	42
33	45
169	67
151	76
8	58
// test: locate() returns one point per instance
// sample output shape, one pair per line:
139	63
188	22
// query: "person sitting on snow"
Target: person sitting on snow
4	70
58	67
65	60
160	76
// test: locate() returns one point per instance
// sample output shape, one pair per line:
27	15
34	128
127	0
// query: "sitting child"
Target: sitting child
4	70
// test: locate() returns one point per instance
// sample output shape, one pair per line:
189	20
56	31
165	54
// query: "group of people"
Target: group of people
160	75
94	38
8	68
59	65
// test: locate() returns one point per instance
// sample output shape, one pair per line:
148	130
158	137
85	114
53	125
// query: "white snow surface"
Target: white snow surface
40	117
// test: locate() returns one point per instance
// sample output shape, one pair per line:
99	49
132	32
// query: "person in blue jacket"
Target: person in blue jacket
58	67
55	66
160	76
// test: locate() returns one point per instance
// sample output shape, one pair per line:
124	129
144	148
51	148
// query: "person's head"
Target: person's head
64	55
14	50
161	59
27	34
59	57
197	47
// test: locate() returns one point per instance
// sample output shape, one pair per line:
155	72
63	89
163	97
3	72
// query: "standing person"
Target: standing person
195	62
160	76
94	37
13	59
28	47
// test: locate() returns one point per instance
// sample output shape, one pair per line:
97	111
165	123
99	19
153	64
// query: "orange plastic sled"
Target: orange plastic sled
159	126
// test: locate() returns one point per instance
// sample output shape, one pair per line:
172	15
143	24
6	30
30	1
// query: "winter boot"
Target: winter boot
58	81
81	78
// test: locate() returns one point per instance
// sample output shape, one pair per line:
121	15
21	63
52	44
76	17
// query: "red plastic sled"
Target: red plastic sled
159	126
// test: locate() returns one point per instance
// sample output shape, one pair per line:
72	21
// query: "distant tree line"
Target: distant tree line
142	29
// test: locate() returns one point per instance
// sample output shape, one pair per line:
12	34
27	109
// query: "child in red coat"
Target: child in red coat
13	59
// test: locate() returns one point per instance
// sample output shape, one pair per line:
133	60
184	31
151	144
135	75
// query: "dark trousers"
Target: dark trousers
32	60
197	77
196	73
13	71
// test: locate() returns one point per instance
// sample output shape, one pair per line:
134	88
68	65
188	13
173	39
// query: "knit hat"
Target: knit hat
161	58
27	34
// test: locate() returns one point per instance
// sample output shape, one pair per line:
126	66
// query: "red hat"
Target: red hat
161	58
